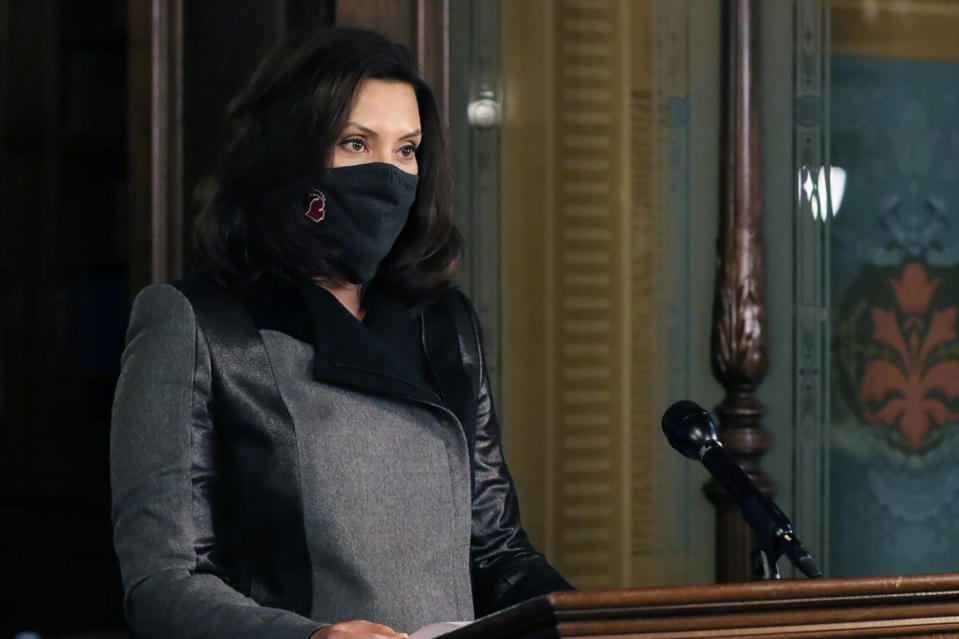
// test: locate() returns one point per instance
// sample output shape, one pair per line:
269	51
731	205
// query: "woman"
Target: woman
303	441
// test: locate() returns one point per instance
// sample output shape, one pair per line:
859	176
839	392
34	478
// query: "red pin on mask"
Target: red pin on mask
316	211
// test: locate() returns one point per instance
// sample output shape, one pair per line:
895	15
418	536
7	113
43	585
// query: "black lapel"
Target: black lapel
348	354
445	345
260	440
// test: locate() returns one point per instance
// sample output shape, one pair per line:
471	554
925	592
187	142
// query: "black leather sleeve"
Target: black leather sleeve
505	567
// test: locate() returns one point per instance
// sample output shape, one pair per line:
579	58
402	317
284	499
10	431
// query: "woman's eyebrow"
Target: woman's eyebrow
373	134
368	131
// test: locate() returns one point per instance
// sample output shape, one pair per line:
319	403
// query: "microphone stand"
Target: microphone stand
764	565
691	430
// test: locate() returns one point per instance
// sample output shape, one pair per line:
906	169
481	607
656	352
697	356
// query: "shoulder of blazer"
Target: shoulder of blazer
221	313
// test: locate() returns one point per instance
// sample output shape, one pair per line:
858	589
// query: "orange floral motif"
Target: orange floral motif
912	391
914	291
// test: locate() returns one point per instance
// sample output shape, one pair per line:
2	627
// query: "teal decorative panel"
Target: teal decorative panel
894	294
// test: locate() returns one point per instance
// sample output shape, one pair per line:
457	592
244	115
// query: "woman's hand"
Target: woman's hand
357	630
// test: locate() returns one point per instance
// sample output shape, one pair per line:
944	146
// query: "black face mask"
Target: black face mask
363	208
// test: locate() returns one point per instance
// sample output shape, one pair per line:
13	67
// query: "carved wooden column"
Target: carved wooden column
739	314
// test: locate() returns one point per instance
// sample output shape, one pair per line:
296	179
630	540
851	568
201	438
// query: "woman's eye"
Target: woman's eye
408	151
354	144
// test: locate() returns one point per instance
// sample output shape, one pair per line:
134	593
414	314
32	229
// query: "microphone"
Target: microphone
690	430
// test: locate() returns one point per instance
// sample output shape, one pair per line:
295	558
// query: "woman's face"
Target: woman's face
383	126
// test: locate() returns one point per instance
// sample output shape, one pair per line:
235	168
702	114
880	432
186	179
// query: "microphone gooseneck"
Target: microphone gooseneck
691	430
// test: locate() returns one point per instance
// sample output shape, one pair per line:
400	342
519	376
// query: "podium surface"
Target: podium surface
903	606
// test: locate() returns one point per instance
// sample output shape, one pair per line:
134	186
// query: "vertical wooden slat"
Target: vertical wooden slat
739	345
394	18
166	152
527	404
591	282
156	142
159	131
433	48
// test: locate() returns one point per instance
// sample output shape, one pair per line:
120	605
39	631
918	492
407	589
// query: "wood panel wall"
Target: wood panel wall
186	61
594	161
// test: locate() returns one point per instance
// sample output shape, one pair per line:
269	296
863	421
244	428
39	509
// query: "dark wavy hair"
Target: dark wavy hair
251	235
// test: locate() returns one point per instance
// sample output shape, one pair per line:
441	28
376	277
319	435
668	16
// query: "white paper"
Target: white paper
437	629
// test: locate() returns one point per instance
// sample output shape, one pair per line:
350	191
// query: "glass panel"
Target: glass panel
595	164
894	286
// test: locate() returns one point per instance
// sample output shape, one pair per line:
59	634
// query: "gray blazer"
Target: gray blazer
269	479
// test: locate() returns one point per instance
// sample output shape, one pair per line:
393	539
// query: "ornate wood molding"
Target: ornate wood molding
739	341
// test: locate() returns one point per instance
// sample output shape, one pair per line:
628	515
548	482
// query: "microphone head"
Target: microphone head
688	427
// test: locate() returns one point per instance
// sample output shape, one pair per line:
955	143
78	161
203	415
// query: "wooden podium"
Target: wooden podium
912	606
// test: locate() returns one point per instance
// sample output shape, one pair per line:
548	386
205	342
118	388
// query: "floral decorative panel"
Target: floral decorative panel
894	253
